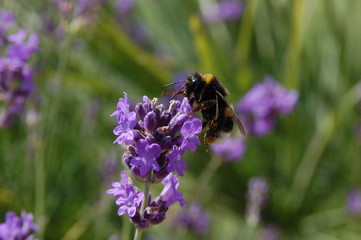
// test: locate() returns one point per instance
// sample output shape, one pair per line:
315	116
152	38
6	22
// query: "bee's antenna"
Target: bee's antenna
173	83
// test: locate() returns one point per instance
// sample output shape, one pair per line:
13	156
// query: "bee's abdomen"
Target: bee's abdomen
227	124
228	120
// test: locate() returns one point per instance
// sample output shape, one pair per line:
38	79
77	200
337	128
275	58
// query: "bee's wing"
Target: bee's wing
239	123
235	117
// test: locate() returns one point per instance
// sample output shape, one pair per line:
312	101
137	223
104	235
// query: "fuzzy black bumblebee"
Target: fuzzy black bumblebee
207	95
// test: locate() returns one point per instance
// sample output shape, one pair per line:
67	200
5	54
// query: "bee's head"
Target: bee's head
189	84
193	80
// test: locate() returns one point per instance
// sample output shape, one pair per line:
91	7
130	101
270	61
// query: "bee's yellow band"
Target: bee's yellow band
208	78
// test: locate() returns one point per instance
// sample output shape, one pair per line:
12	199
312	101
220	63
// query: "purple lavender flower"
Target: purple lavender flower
354	202
270	232
20	48
189	131
79	13
147	155
124	6
224	11
16	227
231	149
16	83
175	161
7	20
194	219
114	237
128	196
109	168
170	193
256	198
126	121
129	200
152	135
260	106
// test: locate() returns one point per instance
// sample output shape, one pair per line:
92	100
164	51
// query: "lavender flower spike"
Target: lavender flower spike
256	198
156	138
354	202
261	105
16	83
16	227
194	219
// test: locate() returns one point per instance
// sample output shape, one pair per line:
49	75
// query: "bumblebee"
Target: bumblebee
207	95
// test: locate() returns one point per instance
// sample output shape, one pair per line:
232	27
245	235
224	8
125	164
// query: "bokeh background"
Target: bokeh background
58	158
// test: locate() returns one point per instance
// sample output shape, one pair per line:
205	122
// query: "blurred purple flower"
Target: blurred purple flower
87	8
224	11
114	237
83	12
260	106
20	48
354	202
230	10
109	168
256	198
124	6
7	20
128	197
270	232
16	83
231	149
16	227
194	219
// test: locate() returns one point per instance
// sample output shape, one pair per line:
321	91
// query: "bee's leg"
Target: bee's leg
208	138
204	124
205	141
202	106
191	101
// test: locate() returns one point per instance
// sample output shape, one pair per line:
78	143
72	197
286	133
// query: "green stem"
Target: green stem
243	45
320	139
139	232
207	174
50	112
294	48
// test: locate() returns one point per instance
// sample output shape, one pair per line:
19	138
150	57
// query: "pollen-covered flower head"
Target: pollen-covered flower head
156	136
259	108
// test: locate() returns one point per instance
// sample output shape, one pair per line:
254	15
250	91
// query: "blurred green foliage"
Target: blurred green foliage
53	167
